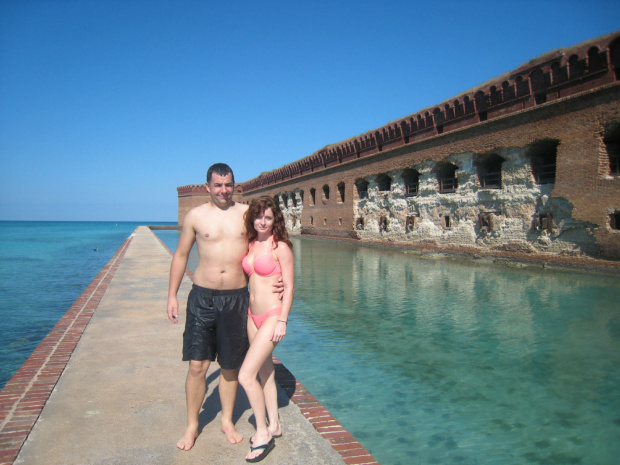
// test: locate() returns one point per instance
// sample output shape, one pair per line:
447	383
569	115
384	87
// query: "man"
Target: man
217	305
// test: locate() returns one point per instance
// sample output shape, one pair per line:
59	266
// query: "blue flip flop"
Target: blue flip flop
266	447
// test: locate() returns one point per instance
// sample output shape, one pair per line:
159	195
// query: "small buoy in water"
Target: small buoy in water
96	249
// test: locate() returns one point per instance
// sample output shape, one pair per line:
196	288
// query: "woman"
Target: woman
270	256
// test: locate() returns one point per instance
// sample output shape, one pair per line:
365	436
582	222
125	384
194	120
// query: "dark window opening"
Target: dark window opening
410	223
383	224
469	106
576	67
446	222
285	200
496	96
596	60
543	159
446	178
326	192
384	183
438	118
482	116
312	196
523	86
341	191
362	188
411	180
508	91
449	111
612	144
540	98
544	222
458	108
311	220
614	57
614	220
359	223
490	171
485	221
481	103
559	73
539	82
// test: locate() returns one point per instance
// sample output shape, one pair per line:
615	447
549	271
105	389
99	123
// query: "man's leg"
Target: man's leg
195	390
228	394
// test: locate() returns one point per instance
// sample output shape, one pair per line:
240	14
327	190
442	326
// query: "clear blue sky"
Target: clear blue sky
107	106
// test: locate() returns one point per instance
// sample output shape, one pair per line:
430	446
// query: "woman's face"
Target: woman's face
264	223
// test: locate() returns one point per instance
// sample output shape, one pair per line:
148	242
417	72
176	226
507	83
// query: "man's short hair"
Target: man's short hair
219	168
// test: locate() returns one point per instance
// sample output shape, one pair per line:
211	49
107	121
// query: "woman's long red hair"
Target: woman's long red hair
257	208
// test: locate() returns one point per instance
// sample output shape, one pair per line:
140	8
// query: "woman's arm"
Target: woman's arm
287	264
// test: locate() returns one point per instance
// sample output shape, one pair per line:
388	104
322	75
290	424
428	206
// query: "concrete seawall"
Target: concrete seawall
107	385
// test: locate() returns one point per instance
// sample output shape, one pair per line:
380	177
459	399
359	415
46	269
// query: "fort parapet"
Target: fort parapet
527	162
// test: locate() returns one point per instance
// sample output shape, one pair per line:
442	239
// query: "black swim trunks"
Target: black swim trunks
216	326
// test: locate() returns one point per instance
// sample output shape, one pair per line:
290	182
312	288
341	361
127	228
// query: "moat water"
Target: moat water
44	267
441	361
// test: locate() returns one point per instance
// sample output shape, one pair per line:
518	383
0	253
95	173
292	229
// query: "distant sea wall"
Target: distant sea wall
526	163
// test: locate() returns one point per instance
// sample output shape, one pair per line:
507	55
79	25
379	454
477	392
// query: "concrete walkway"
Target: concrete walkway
121	400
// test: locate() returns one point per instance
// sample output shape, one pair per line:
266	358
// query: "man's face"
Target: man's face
221	189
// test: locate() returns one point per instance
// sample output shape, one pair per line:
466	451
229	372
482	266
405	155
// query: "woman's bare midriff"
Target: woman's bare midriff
262	297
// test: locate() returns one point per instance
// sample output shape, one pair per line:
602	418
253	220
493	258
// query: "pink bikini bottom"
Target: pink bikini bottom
260	319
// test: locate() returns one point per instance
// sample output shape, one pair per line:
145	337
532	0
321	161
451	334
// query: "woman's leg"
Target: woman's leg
268	380
260	350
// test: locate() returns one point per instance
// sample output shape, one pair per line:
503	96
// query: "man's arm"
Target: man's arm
178	266
278	288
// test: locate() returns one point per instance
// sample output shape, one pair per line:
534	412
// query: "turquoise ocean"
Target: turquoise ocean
44	267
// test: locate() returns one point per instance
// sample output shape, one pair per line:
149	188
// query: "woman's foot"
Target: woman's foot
258	453
276	432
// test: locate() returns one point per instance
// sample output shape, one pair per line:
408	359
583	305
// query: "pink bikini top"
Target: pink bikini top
264	266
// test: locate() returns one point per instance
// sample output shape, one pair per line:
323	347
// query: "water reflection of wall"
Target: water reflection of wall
388	300
492	359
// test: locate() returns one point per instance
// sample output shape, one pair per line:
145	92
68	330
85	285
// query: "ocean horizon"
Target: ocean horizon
44	267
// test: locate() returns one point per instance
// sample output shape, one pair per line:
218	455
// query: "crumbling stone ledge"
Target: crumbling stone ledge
492	257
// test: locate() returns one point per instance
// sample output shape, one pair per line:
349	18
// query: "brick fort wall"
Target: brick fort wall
527	162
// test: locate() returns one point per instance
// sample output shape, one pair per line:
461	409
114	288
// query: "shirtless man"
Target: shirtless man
217	305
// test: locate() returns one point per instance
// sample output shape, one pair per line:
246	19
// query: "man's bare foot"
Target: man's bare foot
188	439
233	436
